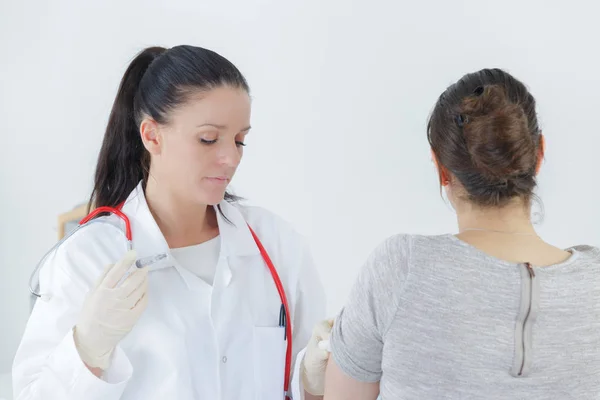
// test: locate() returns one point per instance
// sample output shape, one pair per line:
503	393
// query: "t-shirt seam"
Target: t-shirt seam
405	284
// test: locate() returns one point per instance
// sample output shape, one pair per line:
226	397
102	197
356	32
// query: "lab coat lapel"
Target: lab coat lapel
234	301
243	272
236	240
147	237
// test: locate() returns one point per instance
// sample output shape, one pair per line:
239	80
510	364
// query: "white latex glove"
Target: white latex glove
315	359
110	312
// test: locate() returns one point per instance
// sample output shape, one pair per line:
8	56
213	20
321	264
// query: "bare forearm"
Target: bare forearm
339	386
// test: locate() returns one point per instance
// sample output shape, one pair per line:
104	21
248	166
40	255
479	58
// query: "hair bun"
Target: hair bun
497	135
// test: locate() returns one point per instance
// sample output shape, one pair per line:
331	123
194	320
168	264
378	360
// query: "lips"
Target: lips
219	179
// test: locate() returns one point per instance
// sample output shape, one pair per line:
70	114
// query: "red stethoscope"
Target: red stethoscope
284	317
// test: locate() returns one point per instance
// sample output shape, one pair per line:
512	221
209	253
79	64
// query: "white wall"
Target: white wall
341	94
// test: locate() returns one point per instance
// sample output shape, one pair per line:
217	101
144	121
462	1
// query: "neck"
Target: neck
182	222
513	218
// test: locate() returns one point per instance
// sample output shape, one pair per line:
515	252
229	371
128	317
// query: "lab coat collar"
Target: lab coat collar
234	231
148	240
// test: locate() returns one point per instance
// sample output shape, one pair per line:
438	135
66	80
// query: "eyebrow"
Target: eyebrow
222	127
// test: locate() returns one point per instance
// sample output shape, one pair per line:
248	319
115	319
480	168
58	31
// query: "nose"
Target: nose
230	154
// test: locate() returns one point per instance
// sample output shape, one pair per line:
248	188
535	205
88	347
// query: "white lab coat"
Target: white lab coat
194	341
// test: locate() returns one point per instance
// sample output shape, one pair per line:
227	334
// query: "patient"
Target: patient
493	312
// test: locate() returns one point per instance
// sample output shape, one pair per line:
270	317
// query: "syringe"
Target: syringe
146	261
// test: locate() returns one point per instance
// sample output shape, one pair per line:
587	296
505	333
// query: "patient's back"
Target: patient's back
433	317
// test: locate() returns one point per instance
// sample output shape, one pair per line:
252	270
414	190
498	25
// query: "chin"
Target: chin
212	199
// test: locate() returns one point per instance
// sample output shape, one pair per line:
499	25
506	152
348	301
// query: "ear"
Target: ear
150	136
444	180
541	152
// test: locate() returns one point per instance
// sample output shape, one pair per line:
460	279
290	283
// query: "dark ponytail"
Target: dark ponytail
123	160
155	82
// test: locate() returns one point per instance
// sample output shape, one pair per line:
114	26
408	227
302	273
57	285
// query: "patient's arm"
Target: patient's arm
339	386
360	330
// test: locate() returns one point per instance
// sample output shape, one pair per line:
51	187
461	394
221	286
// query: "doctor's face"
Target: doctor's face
202	144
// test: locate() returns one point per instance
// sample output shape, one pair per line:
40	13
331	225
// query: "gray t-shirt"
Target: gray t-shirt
432	317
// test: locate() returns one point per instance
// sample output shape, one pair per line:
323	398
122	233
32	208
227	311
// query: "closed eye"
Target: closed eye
208	142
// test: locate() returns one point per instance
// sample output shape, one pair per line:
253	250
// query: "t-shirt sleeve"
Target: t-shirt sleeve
359	330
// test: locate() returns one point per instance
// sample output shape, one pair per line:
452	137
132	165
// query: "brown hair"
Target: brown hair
484	131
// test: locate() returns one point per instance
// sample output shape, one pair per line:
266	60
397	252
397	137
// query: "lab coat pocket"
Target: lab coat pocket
269	362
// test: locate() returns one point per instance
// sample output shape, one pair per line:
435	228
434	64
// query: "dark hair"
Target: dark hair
156	82
484	130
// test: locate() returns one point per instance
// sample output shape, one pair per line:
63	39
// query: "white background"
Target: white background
341	93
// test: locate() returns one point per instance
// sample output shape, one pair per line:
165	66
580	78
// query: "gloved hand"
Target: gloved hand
315	360
110	312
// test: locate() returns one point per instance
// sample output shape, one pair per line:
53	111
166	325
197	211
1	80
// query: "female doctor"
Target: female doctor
205	321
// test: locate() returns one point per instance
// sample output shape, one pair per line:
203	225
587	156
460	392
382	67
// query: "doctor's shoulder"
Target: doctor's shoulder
278	235
270	225
82	257
291	254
